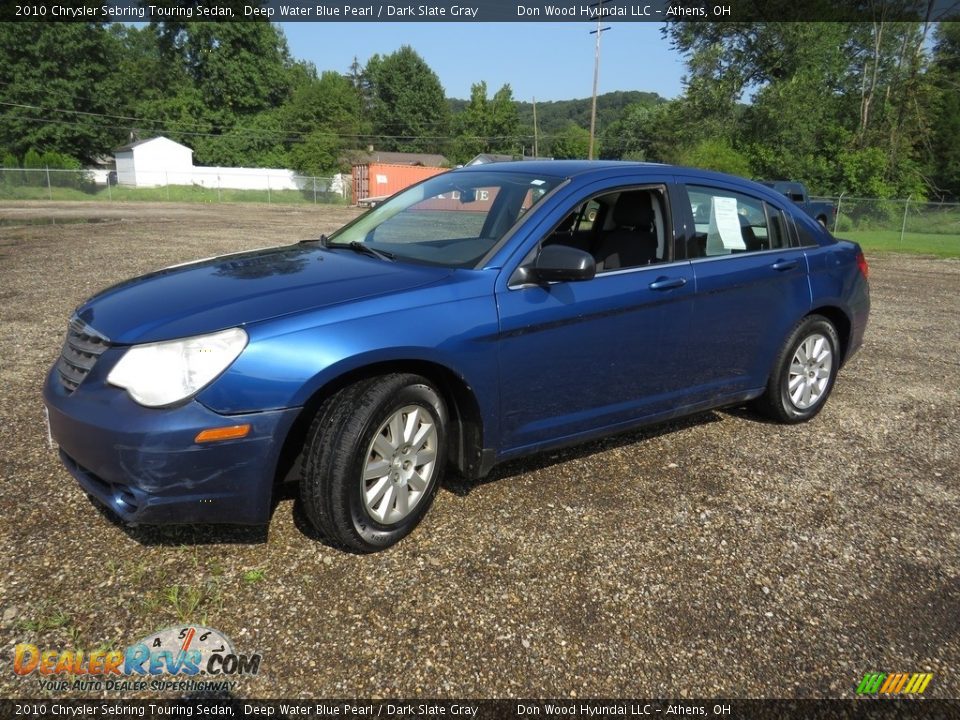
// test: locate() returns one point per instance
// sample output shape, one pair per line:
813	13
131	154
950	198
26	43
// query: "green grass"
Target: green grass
46	617
918	243
172	193
253	576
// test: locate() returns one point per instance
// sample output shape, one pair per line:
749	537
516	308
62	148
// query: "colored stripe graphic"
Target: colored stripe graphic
894	683
918	683
870	683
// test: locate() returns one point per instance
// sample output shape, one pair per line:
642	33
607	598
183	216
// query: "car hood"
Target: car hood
231	290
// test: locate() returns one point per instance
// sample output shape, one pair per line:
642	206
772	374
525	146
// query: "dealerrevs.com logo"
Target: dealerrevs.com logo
188	658
894	684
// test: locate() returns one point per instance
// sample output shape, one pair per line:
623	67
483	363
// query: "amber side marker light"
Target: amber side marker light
224	433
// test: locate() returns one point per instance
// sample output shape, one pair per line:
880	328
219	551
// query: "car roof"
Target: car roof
556	168
579	168
583	169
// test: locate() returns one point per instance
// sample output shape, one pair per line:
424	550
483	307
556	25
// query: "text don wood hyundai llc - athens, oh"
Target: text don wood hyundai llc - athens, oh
486	313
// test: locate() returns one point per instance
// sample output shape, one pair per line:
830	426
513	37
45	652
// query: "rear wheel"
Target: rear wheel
374	457
804	372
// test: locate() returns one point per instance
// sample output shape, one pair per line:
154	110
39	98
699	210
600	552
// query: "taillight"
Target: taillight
862	264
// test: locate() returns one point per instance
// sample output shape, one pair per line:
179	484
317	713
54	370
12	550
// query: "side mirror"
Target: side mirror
563	263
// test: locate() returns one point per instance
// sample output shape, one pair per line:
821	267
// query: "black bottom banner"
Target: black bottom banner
932	709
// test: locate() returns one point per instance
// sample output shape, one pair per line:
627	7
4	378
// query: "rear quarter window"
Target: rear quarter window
805	237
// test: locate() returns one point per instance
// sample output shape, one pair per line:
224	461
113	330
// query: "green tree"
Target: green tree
635	134
239	68
571	143
487	126
472	125
821	92
223	88
324	116
504	123
256	141
410	112
329	101
50	72
11	174
32	160
717	155
316	154
944	150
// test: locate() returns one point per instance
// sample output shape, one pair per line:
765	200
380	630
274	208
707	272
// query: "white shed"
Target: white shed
157	161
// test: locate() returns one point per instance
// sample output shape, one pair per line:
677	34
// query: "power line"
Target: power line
286	138
290	136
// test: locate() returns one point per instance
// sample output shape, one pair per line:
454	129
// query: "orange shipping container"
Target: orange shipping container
380	180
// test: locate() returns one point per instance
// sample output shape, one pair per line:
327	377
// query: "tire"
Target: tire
393	424
823	221
804	372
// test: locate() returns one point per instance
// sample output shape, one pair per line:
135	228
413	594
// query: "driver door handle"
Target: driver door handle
665	283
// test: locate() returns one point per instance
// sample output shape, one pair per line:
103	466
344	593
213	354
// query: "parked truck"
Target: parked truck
822	211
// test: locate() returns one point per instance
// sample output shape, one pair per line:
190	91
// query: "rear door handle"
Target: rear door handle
783	265
664	283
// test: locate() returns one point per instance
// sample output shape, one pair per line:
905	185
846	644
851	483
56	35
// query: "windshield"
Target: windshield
452	219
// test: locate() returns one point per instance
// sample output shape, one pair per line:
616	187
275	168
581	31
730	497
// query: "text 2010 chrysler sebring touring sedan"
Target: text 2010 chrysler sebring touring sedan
484	314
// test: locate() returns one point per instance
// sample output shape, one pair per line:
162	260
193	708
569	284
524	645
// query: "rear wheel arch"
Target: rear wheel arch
804	371
841	322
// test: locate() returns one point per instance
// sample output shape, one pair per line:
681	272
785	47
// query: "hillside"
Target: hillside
554	115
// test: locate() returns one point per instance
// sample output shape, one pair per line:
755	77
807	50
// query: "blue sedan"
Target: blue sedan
484	314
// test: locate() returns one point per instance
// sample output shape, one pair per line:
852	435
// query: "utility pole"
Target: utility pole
596	76
536	147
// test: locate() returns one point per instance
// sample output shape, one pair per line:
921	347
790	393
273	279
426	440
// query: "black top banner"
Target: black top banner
483	11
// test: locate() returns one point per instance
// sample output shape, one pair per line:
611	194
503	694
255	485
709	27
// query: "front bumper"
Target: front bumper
144	465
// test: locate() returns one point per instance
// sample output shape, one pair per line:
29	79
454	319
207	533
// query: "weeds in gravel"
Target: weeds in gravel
138	570
76	635
192	602
253	576
48	617
189	601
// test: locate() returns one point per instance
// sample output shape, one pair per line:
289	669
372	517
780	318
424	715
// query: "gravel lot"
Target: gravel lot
717	556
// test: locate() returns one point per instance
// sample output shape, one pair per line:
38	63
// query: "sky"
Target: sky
546	61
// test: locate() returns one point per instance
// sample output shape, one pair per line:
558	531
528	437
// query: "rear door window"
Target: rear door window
728	223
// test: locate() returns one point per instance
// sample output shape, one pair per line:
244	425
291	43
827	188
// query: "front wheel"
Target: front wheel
374	457
803	373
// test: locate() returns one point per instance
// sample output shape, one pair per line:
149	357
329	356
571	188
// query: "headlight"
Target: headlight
162	373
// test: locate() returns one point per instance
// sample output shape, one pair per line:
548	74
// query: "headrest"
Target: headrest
633	209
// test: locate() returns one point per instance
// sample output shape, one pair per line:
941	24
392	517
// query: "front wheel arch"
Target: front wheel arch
466	431
373	461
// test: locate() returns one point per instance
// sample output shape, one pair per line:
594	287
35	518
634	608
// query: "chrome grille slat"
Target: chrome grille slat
81	349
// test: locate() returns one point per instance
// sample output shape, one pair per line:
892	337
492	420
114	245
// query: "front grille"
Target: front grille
81	349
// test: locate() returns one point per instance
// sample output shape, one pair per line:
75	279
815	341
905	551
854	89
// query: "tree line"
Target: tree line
868	109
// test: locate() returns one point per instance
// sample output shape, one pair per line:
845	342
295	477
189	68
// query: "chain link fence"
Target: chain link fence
197	185
899	224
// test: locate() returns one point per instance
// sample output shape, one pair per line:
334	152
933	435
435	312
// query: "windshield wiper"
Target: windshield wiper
366	249
322	240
